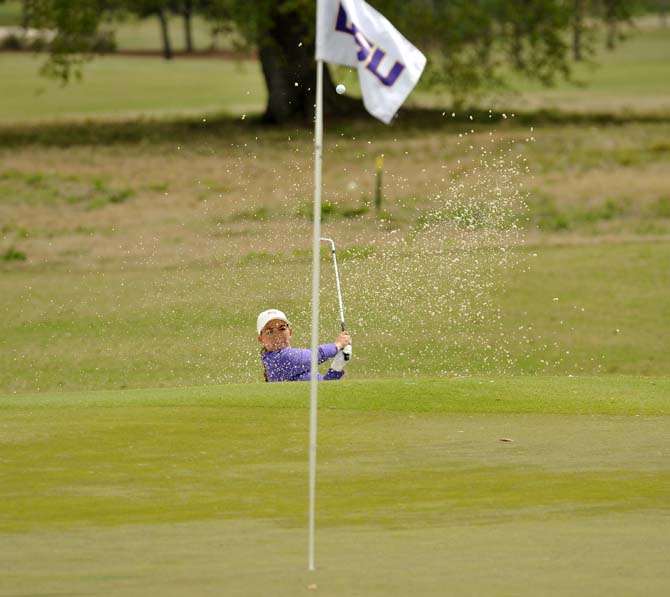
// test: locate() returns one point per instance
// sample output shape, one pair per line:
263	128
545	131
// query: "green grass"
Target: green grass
122	87
591	305
637	67
632	78
10	13
145	34
207	488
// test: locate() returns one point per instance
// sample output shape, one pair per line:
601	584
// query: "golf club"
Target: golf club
346	351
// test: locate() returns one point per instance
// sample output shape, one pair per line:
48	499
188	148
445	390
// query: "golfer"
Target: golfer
283	363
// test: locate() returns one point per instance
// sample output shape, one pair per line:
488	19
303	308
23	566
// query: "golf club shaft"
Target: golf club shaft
346	351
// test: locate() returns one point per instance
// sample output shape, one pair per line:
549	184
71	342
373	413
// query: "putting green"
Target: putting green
599	555
204	490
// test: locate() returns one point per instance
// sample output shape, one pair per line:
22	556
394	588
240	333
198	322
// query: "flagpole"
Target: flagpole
316	250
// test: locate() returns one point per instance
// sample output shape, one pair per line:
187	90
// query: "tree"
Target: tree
470	43
162	15
76	25
286	42
282	32
577	29
186	9
615	11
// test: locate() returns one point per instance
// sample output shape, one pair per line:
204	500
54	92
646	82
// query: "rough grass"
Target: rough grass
200	187
207	486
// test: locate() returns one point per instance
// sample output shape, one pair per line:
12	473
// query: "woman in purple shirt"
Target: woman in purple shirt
283	363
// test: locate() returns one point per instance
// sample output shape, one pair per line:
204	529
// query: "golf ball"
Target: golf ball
340	89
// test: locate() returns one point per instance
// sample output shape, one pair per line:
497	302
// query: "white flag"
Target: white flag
352	33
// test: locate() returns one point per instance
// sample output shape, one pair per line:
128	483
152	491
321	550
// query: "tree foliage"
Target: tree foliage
470	44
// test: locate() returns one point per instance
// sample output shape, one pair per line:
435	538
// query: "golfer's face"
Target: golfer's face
276	335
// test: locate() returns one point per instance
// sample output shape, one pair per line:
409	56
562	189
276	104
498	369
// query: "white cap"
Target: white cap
266	316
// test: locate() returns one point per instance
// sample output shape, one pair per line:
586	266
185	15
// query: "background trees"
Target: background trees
472	44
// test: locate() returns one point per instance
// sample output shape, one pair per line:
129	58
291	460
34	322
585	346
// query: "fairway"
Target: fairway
159	89
524	486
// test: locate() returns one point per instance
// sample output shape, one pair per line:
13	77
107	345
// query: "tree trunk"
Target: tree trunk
577	30
25	14
611	24
165	34
289	69
612	34
188	26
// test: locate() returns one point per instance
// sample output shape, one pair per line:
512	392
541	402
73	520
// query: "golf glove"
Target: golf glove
338	361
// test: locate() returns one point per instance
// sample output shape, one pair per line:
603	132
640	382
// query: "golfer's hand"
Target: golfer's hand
344	339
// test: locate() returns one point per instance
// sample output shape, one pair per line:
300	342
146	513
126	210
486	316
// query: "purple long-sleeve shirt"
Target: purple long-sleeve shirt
294	364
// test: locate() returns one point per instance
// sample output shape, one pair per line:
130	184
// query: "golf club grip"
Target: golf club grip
346	351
